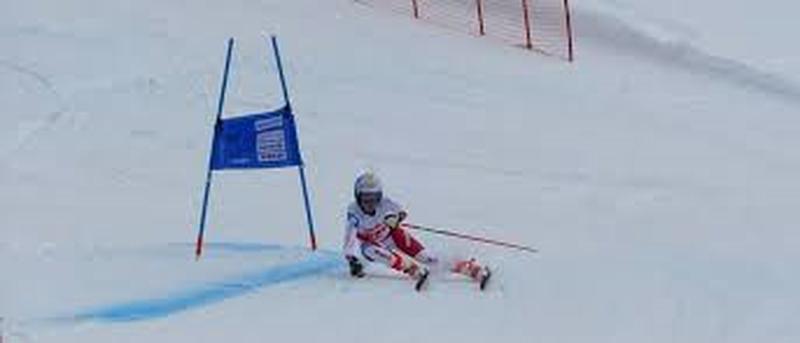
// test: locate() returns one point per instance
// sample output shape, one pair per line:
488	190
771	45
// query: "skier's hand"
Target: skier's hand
393	220
356	268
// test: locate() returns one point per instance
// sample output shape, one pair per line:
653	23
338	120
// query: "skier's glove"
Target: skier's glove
356	268
393	220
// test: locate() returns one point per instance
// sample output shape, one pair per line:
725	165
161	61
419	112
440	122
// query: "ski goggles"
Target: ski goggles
370	198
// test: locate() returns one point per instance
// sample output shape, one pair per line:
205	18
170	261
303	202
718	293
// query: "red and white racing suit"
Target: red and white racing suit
368	236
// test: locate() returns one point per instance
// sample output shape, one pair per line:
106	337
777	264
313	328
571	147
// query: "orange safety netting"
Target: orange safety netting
540	25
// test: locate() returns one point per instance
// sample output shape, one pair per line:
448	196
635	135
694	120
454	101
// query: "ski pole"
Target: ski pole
471	238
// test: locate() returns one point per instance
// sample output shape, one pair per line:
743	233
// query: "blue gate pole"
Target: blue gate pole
301	167
209	172
307	202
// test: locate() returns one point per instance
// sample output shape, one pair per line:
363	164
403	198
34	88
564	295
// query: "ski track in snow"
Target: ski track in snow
28	131
608	30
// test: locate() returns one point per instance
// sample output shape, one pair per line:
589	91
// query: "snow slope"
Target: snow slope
657	174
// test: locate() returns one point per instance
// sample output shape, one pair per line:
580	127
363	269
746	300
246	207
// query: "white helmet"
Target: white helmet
368	183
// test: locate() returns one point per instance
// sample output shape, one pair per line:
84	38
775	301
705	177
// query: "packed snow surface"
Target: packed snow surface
658	175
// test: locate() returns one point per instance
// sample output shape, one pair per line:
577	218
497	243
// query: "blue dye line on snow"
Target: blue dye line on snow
161	307
240	247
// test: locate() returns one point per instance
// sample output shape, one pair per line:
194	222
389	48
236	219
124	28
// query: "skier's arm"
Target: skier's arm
351	245
396	215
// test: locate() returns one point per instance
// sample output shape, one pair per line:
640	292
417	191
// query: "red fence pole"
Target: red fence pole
415	5
481	27
568	24
526	18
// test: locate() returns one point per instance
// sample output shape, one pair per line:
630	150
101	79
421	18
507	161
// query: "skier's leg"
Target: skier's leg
409	245
393	259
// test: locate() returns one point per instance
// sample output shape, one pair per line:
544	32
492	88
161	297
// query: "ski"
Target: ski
422	281
485	277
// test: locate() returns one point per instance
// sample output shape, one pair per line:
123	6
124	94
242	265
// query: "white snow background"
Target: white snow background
658	174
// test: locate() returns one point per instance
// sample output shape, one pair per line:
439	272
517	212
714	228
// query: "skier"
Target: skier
375	232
